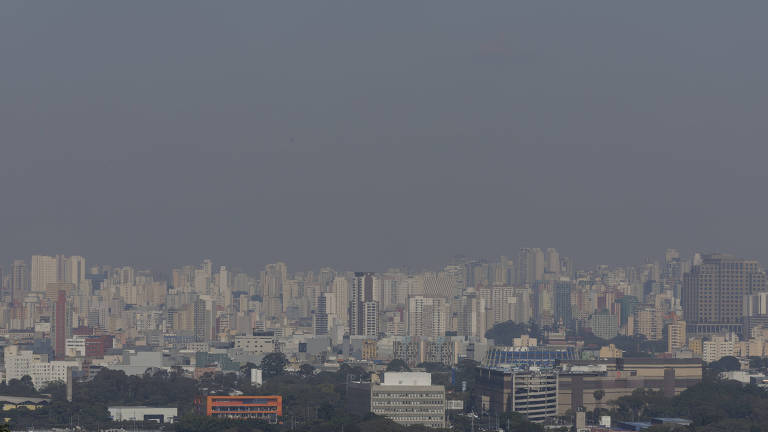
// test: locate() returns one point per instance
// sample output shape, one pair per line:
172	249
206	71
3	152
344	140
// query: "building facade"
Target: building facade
409	398
528	391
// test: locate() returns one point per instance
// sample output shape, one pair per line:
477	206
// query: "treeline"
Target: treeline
713	405
312	401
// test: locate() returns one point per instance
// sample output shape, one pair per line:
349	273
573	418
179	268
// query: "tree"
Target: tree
397	365
727	363
516	422
598	394
306	370
273	364
505	333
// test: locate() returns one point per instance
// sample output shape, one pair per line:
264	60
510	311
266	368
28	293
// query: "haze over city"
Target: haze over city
383	216
253	132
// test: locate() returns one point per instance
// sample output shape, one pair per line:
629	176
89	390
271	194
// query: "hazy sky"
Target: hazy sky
364	135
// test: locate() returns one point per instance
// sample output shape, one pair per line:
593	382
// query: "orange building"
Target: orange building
268	408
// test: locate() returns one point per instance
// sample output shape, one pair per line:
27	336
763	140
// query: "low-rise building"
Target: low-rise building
409	398
143	413
594	384
267	408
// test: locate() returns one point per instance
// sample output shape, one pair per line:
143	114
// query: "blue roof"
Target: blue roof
676	420
633	426
528	356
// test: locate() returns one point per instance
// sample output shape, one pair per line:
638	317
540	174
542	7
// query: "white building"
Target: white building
19	363
75	346
409	398
262	343
719	347
143	413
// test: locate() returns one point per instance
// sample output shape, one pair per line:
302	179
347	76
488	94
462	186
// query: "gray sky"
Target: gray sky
371	134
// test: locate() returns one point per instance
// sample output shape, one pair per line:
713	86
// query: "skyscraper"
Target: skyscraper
524	274
363	286
713	292
43	270
553	261
427	317
563	302
62	325
19	280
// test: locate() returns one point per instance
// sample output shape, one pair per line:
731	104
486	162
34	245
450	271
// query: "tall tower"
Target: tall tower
524	267
563	302
62	325
713	292
553	261
362	293
341	291
19	280
202	320
43	270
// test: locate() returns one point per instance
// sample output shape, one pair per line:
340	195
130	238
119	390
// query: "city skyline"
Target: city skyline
383	216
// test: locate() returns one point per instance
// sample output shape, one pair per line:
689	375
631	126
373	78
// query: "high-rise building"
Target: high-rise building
320	320
202	321
539	264
563	302
676	336
341	290
649	322
553	262
43	270
62	325
713	292
19	281
73	270
524	274
371	319
363	292
427	317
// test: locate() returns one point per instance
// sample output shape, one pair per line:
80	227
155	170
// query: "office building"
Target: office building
42	271
713	292
143	413
266	408
19	280
528	391
579	380
676	336
409	398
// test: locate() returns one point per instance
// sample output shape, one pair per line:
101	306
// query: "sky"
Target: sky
367	135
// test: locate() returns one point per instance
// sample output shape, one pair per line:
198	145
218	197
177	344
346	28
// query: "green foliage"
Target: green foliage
516	422
727	363
306	370
712	405
397	365
197	423
273	364
19	387
505	333
758	362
